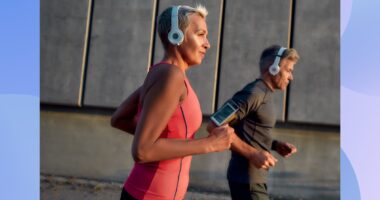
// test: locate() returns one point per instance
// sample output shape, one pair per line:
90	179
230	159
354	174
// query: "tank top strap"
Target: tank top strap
186	81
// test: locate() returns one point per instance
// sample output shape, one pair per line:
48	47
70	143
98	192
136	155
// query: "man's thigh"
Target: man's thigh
259	191
245	191
239	191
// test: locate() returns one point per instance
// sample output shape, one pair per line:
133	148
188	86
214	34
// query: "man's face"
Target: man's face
195	44
282	79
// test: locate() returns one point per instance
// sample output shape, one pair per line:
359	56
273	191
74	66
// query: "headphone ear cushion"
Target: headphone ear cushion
274	69
175	36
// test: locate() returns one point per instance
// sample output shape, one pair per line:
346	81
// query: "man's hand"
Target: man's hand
285	149
262	159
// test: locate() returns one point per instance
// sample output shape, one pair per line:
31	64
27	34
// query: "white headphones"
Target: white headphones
175	35
274	68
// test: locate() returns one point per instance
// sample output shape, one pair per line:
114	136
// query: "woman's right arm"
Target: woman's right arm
159	103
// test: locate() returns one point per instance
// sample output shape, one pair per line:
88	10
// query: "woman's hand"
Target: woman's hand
221	138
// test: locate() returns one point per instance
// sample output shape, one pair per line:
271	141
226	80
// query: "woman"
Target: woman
164	113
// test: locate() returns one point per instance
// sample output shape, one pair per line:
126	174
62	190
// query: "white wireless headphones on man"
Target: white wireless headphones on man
275	68
175	35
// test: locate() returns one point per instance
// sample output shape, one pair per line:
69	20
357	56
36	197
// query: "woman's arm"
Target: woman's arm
159	103
124	116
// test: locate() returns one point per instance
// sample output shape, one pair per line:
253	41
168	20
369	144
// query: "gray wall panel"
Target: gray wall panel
314	95
63	27
202	77
119	50
249	27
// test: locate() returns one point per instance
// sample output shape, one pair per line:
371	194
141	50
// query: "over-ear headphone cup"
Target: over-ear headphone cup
274	69
175	36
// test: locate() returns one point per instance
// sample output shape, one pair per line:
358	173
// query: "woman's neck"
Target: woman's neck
176	59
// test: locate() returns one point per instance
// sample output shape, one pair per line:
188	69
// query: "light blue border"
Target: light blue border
360	98
19	99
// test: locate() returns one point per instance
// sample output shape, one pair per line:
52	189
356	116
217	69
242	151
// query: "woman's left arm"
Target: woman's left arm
123	118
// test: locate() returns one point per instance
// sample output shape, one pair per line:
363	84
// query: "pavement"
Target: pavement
69	188
312	174
65	188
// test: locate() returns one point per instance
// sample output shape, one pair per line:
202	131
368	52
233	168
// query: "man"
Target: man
253	123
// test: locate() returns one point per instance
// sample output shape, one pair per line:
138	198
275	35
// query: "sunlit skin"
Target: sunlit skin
282	79
195	43
164	113
163	90
281	82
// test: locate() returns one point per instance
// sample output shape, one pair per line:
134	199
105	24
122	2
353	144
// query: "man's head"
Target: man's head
165	19
288	59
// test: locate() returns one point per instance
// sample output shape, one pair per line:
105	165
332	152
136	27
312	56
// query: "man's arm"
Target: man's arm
285	149
260	159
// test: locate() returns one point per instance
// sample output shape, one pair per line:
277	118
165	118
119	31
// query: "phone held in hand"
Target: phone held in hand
225	114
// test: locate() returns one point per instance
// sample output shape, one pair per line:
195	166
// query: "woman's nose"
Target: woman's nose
207	44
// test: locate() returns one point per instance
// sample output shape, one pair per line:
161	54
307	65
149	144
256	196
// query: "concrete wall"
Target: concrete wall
102	66
119	51
314	95
63	39
82	144
250	27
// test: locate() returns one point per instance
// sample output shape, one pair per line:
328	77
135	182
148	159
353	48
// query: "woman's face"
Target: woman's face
195	44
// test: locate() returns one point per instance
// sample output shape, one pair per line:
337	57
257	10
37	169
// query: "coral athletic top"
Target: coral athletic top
168	179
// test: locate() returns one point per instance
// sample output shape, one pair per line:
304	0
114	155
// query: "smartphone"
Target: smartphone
225	114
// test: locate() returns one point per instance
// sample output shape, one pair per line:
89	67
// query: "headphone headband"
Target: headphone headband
175	35
175	10
278	56
275	68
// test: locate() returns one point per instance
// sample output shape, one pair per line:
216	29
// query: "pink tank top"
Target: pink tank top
168	179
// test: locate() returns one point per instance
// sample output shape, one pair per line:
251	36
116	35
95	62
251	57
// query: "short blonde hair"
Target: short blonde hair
164	20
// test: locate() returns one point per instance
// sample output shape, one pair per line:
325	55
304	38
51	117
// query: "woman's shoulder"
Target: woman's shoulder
168	72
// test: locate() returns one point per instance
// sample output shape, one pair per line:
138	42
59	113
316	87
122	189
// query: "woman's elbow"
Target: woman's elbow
114	122
140	155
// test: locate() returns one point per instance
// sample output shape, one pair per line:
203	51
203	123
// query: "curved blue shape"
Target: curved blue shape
360	51
349	187
19	147
20	47
345	13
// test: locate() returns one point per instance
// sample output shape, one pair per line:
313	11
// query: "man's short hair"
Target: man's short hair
269	55
164	20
